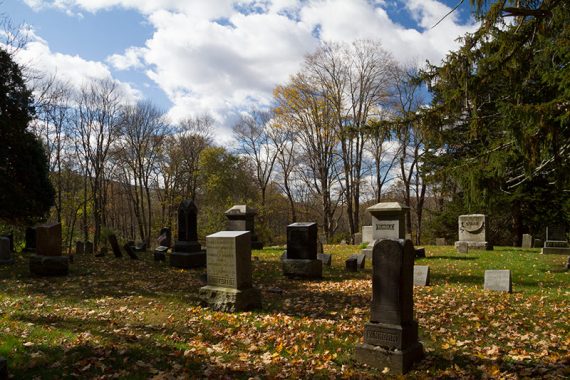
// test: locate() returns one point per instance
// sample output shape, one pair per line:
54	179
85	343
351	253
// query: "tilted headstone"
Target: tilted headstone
79	248
48	239
498	280
440	241
115	245
30	239
188	252
462	247
229	273
325	258
473	231
165	238
421	275
526	241
556	240
361	261
130	251
242	218
391	336
301	260
6	255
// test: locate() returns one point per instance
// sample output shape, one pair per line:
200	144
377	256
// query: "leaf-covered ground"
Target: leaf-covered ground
117	318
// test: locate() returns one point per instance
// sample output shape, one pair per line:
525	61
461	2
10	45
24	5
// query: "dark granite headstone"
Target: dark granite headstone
6	256
10	237
242	218
187	251
391	336
420	252
351	264
48	239
361	260
129	249
165	238
302	241
115	245
30	239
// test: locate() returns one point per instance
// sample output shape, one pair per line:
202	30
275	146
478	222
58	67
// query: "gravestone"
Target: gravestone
556	241
473	230
3	369
48	259
301	255
160	253
325	258
462	247
79	248
115	245
130	251
391	336
10	237
229	270
388	222
6	256
357	238
88	247
351	264
48	239
188	252
421	275
420	252
165	238
526	241
139	247
367	234
538	243
498	280
440	241
242	218
361	261
30	239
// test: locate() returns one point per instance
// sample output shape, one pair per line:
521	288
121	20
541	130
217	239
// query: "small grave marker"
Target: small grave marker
498	280
421	275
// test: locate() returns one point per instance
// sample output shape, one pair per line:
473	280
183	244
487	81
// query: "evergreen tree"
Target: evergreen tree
25	190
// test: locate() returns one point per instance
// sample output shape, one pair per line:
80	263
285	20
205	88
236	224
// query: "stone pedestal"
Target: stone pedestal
391	336
473	231
310	269
49	265
229	273
242	218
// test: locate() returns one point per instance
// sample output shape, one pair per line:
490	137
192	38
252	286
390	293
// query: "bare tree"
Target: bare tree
285	143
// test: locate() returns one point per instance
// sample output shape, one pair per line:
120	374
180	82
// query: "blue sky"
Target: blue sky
220	56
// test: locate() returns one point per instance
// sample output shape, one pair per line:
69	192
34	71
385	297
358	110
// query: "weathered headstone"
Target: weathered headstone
325	258
242	218
526	241
79	248
30	239
420	252
556	241
357	238
160	253
440	241
388	222
498	280
48	239
462	247
3	369
301	259
367	234
229	273
10	237
473	230
165	238
115	245
421	275
391	336
130	251
6	256
538	243
361	261
351	264
188	252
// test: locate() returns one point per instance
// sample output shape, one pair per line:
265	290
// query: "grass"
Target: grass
117	318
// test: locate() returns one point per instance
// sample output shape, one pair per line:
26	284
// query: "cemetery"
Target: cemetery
280	192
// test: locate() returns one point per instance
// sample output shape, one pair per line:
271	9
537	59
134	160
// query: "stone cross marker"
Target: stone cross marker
473	230
391	336
188	252
5	251
498	280
421	275
229	285
526	241
242	218
301	259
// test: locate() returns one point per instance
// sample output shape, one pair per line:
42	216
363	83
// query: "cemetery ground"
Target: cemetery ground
121	318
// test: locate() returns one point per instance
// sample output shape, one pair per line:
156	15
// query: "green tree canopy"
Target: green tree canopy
25	190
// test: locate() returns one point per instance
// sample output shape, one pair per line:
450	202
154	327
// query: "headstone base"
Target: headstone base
188	260
230	300
481	245
390	336
555	251
302	268
49	265
399	362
